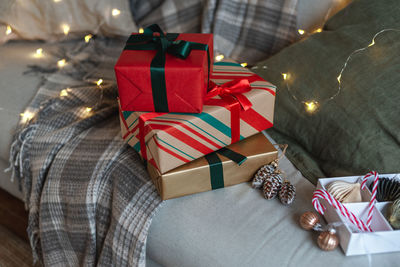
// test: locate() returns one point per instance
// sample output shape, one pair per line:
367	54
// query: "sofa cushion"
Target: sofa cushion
358	130
16	88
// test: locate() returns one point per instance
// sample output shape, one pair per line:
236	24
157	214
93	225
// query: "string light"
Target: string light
64	92
38	53
61	63
301	31
99	82
311	106
339	77
88	109
26	116
115	12
372	43
8	30
244	64
88	37
65	28
318	30
141	30
219	57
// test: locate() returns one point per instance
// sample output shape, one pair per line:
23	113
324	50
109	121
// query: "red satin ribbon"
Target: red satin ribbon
232	97
235	89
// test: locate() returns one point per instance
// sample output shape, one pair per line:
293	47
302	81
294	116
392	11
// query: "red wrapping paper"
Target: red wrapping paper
186	79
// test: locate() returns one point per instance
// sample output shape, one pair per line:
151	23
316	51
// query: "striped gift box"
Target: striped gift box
169	140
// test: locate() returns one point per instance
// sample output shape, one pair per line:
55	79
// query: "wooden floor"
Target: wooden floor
14	246
14	252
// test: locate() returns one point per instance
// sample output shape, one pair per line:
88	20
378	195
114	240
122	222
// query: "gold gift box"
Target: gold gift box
194	177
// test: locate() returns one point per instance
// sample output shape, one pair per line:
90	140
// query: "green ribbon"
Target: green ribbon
216	169
153	38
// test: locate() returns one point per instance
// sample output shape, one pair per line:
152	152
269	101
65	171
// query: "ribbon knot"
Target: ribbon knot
154	38
235	89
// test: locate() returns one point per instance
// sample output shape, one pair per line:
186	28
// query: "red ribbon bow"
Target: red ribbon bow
234	88
232	98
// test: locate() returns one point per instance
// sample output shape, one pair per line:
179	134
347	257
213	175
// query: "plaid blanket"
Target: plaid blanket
245	30
89	197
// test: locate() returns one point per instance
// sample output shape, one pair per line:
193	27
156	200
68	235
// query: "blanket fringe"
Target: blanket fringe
20	167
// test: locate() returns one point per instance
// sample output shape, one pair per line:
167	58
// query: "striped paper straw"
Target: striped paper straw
322	193
373	197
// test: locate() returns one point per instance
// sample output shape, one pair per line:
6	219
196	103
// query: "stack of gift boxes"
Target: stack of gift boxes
195	123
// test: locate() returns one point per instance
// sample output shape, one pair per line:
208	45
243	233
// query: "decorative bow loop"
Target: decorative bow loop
153	38
234	88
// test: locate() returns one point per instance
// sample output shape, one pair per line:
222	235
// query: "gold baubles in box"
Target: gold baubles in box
394	214
345	192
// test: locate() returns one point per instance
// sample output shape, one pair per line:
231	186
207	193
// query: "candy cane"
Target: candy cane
321	193
373	197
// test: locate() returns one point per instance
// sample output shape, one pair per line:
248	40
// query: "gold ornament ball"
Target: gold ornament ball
328	241
308	220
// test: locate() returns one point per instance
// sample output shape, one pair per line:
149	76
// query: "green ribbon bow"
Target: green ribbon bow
216	169
153	38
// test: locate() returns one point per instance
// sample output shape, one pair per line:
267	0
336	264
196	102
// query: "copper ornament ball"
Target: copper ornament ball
308	220
328	241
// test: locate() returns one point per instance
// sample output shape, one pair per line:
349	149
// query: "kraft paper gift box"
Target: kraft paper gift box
215	170
240	105
164	72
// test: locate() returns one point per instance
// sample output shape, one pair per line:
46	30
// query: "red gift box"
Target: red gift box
184	81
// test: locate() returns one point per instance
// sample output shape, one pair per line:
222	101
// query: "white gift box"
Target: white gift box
353	241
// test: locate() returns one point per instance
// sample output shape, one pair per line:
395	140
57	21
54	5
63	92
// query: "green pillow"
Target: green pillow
359	129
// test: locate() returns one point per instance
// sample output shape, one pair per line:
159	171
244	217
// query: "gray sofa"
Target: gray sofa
234	226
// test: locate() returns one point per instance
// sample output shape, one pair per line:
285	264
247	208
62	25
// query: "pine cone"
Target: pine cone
272	186
262	174
287	194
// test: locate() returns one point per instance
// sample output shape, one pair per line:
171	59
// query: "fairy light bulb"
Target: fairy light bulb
244	64
61	63
65	28
372	43
26	116
301	31
339	78
318	30
99	82
141	30
285	76
115	12
88	37
88	109
64	92
219	57
8	30
38	53
57	1
311	106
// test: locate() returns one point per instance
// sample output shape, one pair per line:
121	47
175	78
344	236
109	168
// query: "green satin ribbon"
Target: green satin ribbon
153	38
216	169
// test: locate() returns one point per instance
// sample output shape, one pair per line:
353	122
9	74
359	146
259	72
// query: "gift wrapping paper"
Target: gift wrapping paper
170	140
151	77
196	176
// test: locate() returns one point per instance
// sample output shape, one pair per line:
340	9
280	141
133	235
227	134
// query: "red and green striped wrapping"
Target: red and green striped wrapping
173	139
